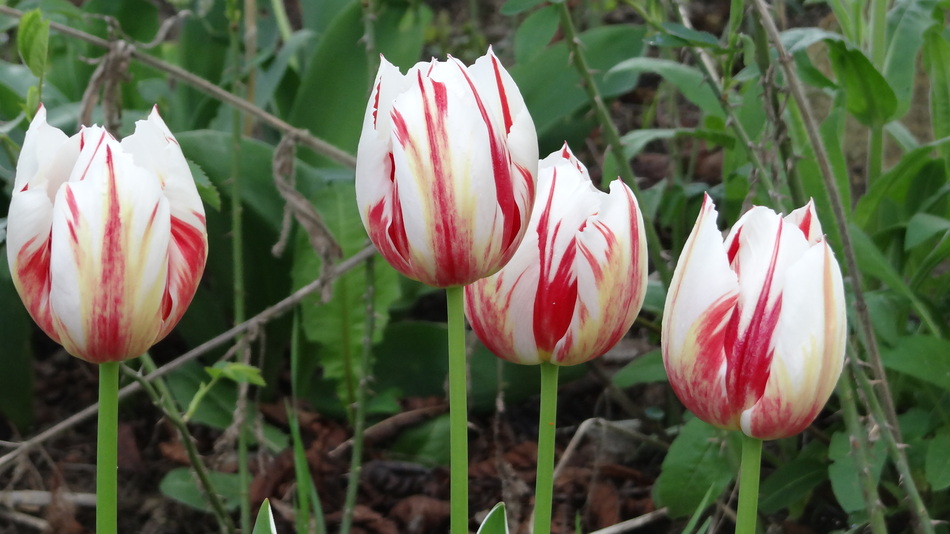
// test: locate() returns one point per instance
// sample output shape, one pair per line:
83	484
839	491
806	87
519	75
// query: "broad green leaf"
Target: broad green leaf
535	33
892	190
677	35
922	357
799	39
938	461
636	140
236	372
922	227
496	522
339	325
695	462
206	190
513	7
843	471
552	89
16	329
937	62
265	520
906	23
334	91
689	80
643	369
33	41
872	262
868	95
790	483
427	443
181	485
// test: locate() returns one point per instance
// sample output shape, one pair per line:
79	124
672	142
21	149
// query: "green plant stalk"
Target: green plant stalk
922	524
162	397
749	468
237	251
107	459
307	496
359	413
654	247
875	163
859	448
544	482
458	411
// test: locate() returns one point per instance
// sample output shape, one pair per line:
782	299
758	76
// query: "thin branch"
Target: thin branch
257	321
315	143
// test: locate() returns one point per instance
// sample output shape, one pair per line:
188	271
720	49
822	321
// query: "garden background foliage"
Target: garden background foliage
315	340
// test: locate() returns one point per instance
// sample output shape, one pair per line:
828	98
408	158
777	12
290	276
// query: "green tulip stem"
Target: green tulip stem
458	411
749	485
544	482
107	458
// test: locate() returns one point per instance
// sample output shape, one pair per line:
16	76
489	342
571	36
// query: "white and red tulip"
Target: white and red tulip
754	326
446	169
106	241
576	283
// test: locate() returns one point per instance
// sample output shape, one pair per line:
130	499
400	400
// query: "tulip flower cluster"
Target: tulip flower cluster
106	240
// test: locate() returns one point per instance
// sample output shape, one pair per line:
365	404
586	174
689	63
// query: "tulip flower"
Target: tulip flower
568	295
754	326
577	281
106	240
446	169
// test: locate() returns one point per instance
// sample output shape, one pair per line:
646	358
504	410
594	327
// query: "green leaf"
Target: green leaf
799	39
552	88
33	41
206	190
636	140
843	471
938	461
513	7
535	33
237	372
16	329
873	263
937	62
676	35
181	485
265	520
689	80
868	95
923	227
496	522
427	443
695	462
790	483
339	325
922	357
906	24
643	369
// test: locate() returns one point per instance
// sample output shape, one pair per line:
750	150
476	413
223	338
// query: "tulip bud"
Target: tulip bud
106	241
446	169
577	281
754	326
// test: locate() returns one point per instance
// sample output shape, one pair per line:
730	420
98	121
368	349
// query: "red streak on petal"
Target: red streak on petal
805	223
557	284
188	252
749	353
33	271
73	218
501	168
733	249
109	330
500	83
376	91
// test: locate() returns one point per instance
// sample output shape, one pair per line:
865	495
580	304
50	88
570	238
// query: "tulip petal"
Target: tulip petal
809	348
806	219
155	148
109	254
699	305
